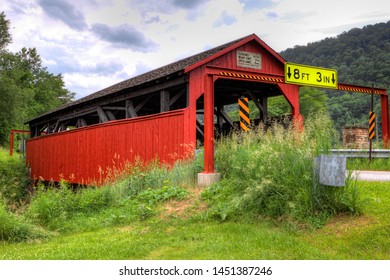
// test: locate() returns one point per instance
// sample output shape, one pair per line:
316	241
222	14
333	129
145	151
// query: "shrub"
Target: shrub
153	196
271	174
53	206
140	177
135	195
16	228
13	178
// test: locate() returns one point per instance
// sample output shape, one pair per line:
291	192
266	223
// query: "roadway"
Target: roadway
365	175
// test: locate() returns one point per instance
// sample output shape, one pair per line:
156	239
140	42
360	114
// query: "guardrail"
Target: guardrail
357	153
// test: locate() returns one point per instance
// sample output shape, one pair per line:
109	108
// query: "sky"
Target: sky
97	43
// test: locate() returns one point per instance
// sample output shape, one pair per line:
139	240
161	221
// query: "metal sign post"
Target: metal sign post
371	123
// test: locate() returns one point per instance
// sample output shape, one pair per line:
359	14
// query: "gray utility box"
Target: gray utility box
330	170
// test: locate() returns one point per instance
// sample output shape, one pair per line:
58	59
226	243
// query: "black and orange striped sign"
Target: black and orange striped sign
244	113
371	126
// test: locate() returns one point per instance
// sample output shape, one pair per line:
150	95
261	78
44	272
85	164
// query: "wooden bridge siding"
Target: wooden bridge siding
270	65
76	155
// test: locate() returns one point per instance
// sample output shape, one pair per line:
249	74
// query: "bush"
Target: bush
53	206
134	196
153	196
154	176
271	174
16	228
13	178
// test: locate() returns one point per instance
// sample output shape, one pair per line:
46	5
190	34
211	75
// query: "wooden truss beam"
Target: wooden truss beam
164	101
102	115
86	107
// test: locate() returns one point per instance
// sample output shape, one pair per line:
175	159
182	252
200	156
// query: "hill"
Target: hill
362	57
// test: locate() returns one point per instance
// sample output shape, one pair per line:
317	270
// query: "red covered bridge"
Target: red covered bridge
159	114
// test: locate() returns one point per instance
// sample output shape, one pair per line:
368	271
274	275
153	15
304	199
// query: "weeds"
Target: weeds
54	206
15	228
265	174
271	174
134	197
13	179
379	164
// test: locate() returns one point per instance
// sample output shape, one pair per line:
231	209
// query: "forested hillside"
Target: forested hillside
362	57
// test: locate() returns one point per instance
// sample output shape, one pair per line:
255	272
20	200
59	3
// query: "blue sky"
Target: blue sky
96	43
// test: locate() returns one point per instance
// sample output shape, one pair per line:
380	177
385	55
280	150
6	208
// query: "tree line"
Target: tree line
27	89
362	57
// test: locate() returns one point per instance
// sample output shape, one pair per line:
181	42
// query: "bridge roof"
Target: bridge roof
176	68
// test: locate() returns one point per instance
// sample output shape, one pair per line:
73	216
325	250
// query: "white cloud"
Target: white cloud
225	19
96	43
124	36
65	12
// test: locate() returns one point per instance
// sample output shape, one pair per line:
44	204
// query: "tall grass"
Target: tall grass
134	197
267	174
13	184
271	174
378	164
13	179
15	227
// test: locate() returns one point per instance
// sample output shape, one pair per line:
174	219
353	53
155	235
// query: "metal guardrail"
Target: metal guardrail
357	153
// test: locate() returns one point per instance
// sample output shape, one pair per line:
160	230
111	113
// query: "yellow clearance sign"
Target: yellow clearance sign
310	76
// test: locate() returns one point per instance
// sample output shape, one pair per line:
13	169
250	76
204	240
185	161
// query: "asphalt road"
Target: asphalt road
364	175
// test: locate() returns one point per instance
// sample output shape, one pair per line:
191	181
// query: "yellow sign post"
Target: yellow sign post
371	126
310	76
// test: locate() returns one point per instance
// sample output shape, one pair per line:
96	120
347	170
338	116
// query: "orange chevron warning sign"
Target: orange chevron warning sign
371	126
244	114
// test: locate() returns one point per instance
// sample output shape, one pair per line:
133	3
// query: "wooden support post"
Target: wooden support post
208	176
255	100
164	101
110	115
208	124
130	111
48	130
11	138
11	143
291	93
261	104
57	126
264	113
176	97
142	103
102	115
62	127
226	118
81	122
199	128
219	118
32	131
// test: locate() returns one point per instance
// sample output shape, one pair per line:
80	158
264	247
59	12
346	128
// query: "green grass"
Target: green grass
13	179
344	237
378	164
15	228
264	208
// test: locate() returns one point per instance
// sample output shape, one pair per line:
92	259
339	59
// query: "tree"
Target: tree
362	57
312	100
27	89
5	36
